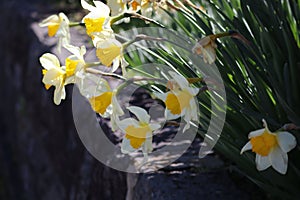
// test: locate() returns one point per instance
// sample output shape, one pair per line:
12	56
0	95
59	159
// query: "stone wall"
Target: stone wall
41	156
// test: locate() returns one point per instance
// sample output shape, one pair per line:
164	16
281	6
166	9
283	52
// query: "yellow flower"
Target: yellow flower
271	148
98	18
207	48
180	100
138	133
58	26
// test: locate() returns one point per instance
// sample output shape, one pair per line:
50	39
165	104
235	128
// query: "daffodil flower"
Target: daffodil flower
207	48
110	52
98	18
271	148
180	100
104	101
59	76
138	133
75	62
54	75
58	26
117	6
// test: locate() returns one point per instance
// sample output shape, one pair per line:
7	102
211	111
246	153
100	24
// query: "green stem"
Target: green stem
95	71
93	64
72	24
117	18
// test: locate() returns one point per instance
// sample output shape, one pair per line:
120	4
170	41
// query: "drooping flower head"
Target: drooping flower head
59	76
104	101
138	133
207	48
58	26
54	75
180	100
271	148
109	51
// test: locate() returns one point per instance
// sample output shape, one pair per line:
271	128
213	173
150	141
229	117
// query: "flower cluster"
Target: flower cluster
179	94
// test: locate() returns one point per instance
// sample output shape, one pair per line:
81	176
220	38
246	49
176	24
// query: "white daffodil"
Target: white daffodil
271	148
110	52
207	48
104	101
75	63
98	19
54	75
58	26
138	133
59	76
117	6
180	100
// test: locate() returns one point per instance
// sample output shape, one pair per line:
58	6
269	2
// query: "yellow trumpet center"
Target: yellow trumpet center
177	103
52	29
94	25
107	55
263	143
101	102
137	135
71	66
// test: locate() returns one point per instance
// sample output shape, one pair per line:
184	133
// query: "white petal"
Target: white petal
279	160
127	122
286	141
63	17
114	120
154	127
161	96
102	7
247	147
256	133
147	147
87	6
53	77
193	110
116	64
262	162
193	91
59	94
187	118
180	80
116	106
70	80
209	54
126	147
170	116
49	61
74	50
51	20
140	113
